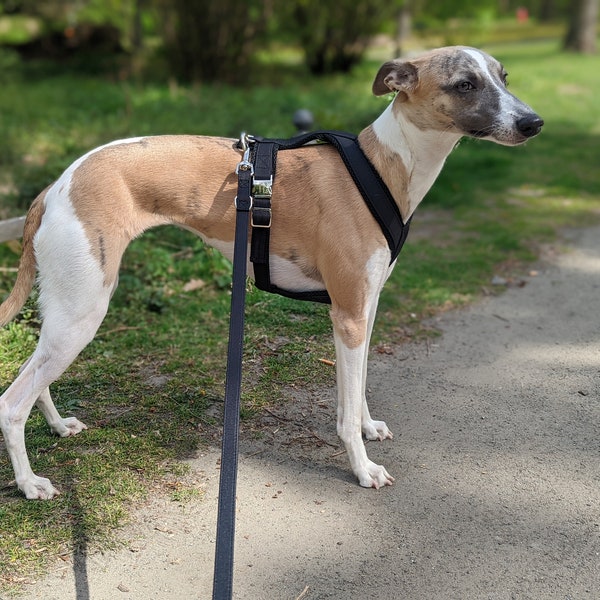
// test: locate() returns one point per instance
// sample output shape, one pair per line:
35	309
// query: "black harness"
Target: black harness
372	188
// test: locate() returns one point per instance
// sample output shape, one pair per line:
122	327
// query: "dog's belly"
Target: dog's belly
289	275
285	274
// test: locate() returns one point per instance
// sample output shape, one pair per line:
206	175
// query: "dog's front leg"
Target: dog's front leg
372	430
351	343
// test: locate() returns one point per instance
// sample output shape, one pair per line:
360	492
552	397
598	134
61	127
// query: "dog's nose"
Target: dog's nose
530	125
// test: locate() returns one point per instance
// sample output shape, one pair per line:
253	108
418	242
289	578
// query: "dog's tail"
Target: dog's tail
27	266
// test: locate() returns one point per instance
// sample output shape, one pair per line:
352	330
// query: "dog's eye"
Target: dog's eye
464	86
505	78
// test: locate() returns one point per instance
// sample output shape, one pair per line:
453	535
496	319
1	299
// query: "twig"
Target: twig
323	441
116	330
326	361
277	416
116	415
303	593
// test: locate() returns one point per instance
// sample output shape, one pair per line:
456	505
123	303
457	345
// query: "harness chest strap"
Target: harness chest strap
372	188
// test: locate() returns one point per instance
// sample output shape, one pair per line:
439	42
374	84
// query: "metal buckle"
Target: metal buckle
235	202
262	188
245	164
265	226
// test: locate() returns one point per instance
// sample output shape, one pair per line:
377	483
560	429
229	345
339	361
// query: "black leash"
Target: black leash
223	571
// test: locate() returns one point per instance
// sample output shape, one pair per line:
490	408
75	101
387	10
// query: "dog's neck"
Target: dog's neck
408	159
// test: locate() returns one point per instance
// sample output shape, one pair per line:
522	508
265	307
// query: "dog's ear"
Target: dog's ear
395	76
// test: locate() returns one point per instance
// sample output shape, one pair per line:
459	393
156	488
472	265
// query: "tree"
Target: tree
207	40
581	35
334	35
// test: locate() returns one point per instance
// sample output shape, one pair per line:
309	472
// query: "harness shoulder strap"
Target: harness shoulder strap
375	193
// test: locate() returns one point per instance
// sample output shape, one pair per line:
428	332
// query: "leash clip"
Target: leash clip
245	164
245	172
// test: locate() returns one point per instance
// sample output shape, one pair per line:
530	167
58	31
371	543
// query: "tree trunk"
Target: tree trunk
581	36
403	27
334	35
209	41
547	11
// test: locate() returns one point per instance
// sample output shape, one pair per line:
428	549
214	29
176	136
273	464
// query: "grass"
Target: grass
151	381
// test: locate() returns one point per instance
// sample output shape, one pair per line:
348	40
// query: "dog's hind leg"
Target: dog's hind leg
64	427
73	304
58	346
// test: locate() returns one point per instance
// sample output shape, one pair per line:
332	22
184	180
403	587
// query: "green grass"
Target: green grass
152	381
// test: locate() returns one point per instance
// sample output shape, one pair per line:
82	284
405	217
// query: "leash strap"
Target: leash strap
223	571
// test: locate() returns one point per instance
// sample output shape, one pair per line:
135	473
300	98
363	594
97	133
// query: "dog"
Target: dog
322	236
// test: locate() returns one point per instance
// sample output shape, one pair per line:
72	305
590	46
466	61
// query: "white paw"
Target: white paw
69	426
374	476
38	488
376	430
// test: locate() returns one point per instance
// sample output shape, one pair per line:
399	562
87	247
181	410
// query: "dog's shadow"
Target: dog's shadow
79	538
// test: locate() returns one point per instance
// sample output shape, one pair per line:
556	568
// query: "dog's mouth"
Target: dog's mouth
478	133
522	130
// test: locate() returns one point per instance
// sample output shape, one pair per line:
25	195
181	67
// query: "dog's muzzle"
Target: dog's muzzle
530	125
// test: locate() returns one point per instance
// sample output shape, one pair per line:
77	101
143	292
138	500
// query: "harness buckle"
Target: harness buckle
262	188
266	213
261	214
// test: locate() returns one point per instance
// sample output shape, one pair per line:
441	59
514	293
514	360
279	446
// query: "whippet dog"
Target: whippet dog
322	234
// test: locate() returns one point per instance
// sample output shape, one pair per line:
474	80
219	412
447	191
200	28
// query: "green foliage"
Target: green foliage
444	10
221	41
212	41
335	35
115	12
57	14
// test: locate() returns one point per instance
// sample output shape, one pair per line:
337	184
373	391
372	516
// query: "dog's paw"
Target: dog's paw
376	430
68	427
38	488
374	476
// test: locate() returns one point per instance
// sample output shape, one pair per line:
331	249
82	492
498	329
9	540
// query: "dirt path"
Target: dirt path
496	458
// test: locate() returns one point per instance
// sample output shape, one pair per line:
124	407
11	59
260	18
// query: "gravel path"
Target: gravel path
496	459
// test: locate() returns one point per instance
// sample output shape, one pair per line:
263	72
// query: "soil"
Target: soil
495	455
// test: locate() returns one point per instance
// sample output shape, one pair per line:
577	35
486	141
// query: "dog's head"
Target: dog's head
461	90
